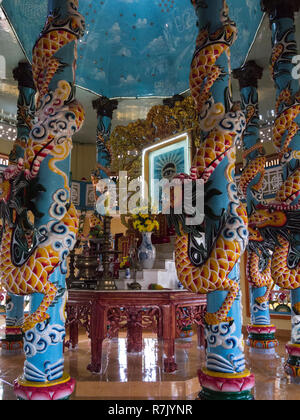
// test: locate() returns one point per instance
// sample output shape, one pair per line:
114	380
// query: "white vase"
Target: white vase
147	252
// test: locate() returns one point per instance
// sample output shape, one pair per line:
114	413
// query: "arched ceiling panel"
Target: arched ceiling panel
135	48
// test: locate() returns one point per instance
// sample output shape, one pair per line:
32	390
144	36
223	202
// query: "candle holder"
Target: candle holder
72	277
134	265
87	263
106	282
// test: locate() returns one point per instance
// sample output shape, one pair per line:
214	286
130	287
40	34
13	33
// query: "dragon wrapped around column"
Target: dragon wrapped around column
211	266
40	222
29	255
258	265
204	270
13	341
279	220
105	108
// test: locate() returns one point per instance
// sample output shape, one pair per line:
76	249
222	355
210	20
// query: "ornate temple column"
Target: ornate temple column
261	337
39	262
213	266
105	108
13	341
284	213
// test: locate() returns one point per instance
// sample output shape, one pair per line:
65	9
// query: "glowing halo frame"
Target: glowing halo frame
160	148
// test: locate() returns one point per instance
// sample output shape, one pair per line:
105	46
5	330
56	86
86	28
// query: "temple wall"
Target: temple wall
83	161
5	146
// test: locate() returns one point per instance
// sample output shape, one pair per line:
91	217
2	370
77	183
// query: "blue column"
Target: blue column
13	341
225	375
105	108
261	338
47	166
286	140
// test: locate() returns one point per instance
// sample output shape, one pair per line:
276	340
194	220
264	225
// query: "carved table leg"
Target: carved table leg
98	334
134	331
201	336
169	335
73	331
159	327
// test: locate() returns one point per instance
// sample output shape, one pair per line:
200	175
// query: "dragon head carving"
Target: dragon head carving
17	195
255	235
259	243
268	222
70	19
267	217
78	24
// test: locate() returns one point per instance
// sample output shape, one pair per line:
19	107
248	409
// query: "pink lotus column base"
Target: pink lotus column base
262	338
33	391
224	386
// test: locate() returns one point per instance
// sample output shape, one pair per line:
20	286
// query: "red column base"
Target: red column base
262	337
292	365
11	347
12	344
293	349
61	389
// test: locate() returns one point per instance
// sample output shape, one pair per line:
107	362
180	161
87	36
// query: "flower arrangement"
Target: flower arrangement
96	232
125	263
145	222
90	227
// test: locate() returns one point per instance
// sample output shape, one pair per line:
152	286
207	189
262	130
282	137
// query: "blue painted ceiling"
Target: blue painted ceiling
135	48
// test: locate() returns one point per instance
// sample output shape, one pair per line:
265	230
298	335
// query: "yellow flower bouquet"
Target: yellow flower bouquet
145	222
125	263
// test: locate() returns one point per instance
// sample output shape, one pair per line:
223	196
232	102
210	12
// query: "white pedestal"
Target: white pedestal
164	271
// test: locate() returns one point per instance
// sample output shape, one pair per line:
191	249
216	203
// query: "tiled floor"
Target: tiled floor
140	376
135	375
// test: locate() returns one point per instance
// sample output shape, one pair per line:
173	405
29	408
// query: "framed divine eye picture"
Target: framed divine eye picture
164	160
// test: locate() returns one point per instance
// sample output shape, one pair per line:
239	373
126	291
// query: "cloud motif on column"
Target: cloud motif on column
41	337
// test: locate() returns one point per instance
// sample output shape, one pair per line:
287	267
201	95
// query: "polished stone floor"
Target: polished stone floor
140	376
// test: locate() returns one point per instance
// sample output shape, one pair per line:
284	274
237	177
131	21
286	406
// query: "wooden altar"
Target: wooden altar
104	313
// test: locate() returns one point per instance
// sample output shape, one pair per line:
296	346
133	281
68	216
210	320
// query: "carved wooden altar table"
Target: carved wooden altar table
104	313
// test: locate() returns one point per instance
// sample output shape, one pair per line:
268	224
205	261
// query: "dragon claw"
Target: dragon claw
260	300
33	320
213	319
